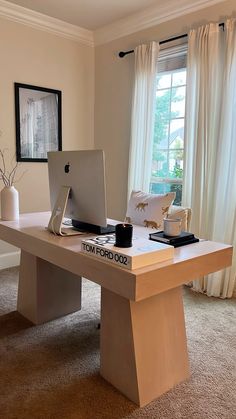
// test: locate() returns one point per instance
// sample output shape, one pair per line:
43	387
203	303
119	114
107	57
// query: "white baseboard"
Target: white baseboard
8	260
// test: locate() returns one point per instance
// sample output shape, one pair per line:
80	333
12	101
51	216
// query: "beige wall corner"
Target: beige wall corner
39	58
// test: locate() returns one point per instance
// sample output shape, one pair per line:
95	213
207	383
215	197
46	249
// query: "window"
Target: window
168	142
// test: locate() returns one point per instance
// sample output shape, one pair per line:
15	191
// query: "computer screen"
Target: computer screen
84	172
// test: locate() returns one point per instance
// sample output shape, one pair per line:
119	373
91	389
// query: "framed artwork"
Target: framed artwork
38	122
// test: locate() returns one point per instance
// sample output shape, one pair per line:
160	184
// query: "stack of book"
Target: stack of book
181	240
142	253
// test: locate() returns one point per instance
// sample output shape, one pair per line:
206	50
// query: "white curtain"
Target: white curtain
210	168
142	122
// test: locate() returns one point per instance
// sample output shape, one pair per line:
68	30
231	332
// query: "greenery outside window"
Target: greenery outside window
168	142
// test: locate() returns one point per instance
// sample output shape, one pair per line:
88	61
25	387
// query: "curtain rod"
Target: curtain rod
124	53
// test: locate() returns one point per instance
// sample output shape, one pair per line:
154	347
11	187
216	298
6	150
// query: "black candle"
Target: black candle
124	234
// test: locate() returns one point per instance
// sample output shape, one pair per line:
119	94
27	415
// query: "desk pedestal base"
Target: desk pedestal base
46	291
143	344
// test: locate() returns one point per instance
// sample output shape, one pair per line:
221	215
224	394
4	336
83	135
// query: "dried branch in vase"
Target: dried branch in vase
8	176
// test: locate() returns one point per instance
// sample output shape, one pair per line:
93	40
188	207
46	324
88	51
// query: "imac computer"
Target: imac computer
77	191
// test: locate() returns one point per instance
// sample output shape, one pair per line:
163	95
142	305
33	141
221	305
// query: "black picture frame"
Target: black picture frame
38	122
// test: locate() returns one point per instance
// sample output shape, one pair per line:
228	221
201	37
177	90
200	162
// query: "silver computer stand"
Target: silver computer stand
58	212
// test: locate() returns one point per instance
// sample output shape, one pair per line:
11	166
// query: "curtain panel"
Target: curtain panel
210	144
142	122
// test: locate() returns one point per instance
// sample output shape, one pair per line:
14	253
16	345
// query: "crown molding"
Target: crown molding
46	23
152	16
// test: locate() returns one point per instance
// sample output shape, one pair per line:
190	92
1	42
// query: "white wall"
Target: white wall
36	57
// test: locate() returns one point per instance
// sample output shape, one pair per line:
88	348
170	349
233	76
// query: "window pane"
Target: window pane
162	188
158	188
179	78
162	115
168	144
163	96
177	188
160	164
161	143
177	143
176	164
163	81
178	102
176	139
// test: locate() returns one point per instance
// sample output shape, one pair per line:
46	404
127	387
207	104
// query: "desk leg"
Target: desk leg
46	291
143	344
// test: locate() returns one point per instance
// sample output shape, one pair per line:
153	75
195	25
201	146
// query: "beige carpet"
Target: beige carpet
52	371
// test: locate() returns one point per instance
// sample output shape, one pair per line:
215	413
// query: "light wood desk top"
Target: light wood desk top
190	262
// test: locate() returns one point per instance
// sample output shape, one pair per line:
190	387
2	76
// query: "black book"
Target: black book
184	238
183	243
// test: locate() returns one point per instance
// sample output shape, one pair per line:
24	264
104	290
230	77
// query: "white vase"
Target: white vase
9	197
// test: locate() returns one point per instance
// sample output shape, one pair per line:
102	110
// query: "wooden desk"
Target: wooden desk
143	339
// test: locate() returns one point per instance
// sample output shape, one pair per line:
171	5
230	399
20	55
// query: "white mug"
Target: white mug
172	226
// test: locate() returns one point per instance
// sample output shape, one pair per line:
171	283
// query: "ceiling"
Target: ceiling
89	14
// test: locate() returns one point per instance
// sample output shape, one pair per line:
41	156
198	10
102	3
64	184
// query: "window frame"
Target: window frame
171	59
